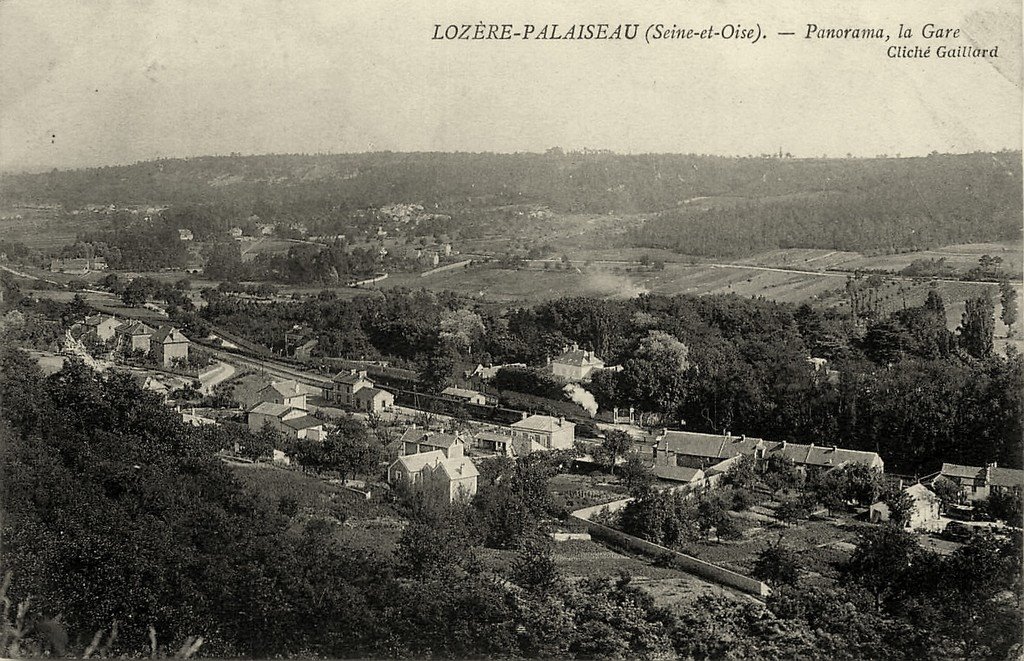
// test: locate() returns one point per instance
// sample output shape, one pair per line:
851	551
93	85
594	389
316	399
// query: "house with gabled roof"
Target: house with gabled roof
575	364
346	384
104	325
924	512
169	344
417	440
135	336
544	432
980	482
290	421
374	400
456	477
287	392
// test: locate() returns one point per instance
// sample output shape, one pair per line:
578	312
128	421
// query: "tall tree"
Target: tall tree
977	325
1008	301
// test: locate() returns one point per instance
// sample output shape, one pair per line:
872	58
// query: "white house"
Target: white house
575	364
290	421
287	392
545	431
456	476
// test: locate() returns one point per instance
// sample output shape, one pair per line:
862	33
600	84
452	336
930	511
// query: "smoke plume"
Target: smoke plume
582	397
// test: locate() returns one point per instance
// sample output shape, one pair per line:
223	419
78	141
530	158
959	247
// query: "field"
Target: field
44	228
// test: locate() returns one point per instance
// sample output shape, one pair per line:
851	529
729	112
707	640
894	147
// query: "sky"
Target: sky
111	82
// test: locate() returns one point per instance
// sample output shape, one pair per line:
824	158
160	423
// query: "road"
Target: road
272	367
221	373
26	275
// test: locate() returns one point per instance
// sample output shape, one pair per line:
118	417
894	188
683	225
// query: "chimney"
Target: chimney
728	434
664	431
833	448
783	445
525	415
561	420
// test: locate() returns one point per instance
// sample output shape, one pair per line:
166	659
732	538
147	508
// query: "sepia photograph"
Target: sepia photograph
379	329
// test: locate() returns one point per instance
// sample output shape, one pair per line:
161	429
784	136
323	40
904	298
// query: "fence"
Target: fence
683	561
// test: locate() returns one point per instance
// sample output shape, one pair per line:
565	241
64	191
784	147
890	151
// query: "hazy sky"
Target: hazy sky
105	82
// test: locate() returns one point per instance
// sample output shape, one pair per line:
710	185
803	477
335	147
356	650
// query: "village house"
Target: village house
287	392
417	440
169	344
498	441
456	477
575	364
698	450
543	432
680	477
235	233
185	235
465	396
374	400
103	325
135	336
292	422
346	384
980	482
924	513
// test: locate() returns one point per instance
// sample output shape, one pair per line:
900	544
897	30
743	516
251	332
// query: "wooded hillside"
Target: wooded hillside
704	204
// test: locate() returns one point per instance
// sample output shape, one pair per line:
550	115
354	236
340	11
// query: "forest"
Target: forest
125	536
901	385
704	205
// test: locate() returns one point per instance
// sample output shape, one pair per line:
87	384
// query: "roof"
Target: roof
714	446
97	319
288	388
459	468
371	393
414	463
578	358
678	473
167	334
461	392
956	470
431	438
270	408
303	422
995	475
455	469
350	377
920	492
543	423
1006	477
711	446
816	455
135	328
492	435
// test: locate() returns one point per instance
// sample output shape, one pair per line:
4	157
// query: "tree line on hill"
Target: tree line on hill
755	203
